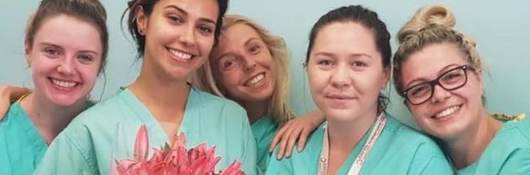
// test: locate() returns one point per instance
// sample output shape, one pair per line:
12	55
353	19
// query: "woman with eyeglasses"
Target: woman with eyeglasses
439	73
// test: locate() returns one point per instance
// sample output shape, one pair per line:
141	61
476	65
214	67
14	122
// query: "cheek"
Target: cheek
230	79
206	45
89	74
317	79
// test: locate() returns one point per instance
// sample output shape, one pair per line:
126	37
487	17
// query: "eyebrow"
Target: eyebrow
423	79
186	13
62	48
250	40
354	55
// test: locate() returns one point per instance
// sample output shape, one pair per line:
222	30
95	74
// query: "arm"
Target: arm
9	94
517	164
296	131
66	156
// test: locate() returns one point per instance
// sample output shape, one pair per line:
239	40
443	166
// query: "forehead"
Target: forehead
427	62
345	37
69	32
235	37
238	33
207	9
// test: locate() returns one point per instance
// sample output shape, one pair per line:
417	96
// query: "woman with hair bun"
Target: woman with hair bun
439	73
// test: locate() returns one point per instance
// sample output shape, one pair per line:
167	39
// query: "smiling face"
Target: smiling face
179	36
447	114
346	72
243	65
65	58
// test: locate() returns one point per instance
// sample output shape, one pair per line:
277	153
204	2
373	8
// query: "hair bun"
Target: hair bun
425	17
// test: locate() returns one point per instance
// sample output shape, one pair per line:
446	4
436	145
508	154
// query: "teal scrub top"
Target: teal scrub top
398	150
264	130
507	154
106	132
21	145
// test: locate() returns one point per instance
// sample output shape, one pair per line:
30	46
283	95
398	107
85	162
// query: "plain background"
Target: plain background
500	28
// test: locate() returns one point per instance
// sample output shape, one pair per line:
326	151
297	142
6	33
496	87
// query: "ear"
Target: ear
27	51
141	20
386	77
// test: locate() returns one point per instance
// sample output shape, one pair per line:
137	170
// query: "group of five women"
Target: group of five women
223	80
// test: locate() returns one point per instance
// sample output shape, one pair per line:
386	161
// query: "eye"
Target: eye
85	58
227	63
52	52
419	90
359	64
325	63
175	19
206	29
452	77
255	49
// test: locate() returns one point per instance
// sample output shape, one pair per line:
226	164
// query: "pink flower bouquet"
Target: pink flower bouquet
172	159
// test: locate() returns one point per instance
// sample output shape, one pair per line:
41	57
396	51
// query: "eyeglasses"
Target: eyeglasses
450	80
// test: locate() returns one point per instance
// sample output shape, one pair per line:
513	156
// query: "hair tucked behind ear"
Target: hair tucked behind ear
431	25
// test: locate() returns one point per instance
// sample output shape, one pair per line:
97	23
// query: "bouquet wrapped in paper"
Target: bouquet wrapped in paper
174	159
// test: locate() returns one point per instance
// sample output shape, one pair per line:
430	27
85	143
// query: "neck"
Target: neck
467	147
345	135
255	110
49	118
165	97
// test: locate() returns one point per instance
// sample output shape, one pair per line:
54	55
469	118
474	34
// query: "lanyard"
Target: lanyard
359	161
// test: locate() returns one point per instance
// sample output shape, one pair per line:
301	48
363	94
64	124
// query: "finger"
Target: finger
283	144
302	139
277	138
291	141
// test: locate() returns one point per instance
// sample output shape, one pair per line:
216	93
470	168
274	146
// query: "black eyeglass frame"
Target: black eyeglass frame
435	82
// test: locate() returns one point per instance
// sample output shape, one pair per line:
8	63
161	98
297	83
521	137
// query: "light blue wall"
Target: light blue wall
501	29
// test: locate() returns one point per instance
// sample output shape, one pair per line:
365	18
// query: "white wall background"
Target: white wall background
501	29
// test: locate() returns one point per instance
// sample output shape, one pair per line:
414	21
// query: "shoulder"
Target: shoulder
206	100
407	135
209	104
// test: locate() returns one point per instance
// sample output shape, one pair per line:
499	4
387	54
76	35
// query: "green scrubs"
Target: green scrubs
106	132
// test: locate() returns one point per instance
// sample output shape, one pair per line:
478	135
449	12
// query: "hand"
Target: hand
4	100
9	94
296	131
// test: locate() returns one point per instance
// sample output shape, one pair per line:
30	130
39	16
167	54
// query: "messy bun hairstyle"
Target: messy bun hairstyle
431	25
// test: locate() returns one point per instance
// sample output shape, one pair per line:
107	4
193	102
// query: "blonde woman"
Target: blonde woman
439	73
250	66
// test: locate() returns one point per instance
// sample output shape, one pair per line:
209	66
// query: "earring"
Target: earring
141	31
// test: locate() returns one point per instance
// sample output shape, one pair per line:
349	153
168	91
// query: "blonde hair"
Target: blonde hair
278	108
431	25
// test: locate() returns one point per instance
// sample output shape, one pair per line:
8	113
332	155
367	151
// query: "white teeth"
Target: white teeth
256	79
64	84
447	111
181	55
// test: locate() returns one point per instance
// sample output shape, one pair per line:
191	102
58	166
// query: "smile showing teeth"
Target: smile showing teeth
256	79
180	55
64	84
447	111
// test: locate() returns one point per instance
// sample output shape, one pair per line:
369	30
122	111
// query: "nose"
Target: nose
66	66
250	64
187	36
340	78
439	94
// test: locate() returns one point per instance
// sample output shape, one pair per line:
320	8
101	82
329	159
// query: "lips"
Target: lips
446	112
340	97
180	56
63	84
255	80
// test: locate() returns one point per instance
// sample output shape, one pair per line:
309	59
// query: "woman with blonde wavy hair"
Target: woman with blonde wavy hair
250	66
438	71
